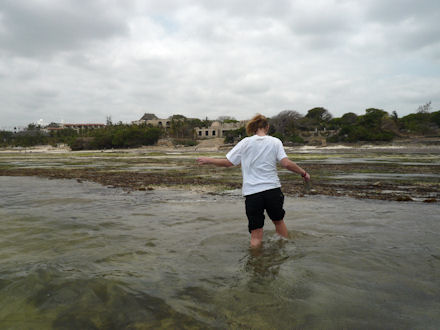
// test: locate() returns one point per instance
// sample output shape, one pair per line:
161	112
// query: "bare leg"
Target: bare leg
256	237
281	228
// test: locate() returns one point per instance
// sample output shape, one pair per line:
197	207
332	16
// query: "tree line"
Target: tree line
375	125
288	125
112	136
120	135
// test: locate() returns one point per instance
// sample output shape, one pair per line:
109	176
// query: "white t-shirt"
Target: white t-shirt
258	156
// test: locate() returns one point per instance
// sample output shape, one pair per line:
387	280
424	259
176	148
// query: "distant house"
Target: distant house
165	123
217	129
151	119
145	118
149	116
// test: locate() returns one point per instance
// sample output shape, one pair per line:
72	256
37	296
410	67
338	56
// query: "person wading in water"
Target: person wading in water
258	155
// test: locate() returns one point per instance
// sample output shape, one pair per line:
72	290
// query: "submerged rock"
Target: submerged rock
404	199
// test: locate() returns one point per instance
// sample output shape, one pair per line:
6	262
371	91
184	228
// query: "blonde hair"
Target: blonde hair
259	121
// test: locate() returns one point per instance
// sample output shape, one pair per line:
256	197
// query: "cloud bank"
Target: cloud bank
80	61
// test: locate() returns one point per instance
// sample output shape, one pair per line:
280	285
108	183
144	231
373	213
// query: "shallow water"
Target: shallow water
83	256
377	160
382	176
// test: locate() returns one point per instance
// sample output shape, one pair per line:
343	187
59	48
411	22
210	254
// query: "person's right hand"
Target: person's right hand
306	177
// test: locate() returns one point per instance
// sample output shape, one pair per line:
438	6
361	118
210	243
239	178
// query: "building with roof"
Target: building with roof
217	129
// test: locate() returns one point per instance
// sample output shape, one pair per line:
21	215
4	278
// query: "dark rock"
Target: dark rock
404	199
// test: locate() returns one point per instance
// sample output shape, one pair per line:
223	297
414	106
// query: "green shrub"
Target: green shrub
119	136
279	136
81	143
296	139
234	135
435	118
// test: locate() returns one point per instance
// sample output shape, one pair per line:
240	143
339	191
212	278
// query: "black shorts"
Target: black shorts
270	200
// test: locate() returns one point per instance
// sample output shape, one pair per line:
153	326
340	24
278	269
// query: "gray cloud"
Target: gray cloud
84	60
411	25
394	11
42	28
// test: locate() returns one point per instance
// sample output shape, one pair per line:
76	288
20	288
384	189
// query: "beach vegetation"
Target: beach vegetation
287	126
116	136
319	115
235	135
422	123
26	138
182	127
374	125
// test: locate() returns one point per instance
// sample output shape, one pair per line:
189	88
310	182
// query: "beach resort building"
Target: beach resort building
151	119
217	129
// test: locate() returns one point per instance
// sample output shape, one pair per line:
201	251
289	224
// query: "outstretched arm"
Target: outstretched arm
223	162
293	167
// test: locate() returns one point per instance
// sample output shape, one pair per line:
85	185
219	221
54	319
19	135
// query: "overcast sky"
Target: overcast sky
82	60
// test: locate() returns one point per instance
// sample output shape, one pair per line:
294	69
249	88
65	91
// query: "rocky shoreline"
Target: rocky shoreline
131	181
398	172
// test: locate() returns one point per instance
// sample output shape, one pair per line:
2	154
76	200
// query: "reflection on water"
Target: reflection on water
81	256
